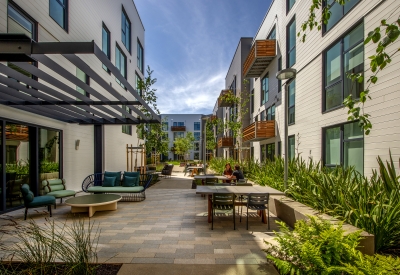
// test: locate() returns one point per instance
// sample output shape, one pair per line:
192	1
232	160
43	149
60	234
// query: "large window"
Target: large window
270	151
196	135
17	22
291	102
139	56
252	101
262	116
179	135
120	63
272	34
196	146
291	43
337	11
165	126
126	30
262	153
264	89
345	57
344	146
105	44
196	126
279	68
271	113
59	12
291	148
289	5
178	123
127	129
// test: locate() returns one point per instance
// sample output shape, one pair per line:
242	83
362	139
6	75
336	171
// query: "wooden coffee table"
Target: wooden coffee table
93	203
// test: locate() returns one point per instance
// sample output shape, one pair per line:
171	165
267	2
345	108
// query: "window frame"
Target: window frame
294	104
288	51
140	58
279	69
273	31
289	154
27	17
288	9
252	101
117	47
264	93
272	147
342	142
108	53
195	123
341	80
123	31
324	30
126	128
66	12
137	77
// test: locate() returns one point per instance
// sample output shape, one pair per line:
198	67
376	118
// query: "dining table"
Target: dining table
235	189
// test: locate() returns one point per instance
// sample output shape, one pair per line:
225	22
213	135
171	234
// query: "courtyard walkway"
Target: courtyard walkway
170	229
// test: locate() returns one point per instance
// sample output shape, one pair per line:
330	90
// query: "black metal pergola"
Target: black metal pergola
47	94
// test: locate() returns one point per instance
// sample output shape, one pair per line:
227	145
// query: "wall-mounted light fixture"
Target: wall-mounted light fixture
77	144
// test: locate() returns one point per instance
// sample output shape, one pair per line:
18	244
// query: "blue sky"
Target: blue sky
190	44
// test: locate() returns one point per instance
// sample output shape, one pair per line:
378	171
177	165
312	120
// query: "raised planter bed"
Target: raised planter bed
290	211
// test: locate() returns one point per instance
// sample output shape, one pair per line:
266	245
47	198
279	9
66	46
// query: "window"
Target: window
196	156
279	148
279	68
252	153
17	22
105	44
346	56
262	116
196	146
344	146
120	63
262	153
138	78
291	148
139	56
59	12
176	123
252	101
127	129
196	135
272	34
264	89
291	102
270	151
337	11
197	126
289	5
179	135
165	126
271	113
291	43
126	30
84	78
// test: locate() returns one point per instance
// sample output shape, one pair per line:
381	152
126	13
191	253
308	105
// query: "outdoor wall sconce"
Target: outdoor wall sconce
77	144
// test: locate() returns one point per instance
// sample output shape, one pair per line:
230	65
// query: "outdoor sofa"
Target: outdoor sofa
130	185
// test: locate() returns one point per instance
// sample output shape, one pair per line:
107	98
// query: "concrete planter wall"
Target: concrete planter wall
290	211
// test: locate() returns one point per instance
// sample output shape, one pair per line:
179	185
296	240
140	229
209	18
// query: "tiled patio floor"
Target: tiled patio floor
170	227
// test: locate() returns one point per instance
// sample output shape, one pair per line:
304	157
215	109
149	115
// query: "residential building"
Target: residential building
318	125
68	71
178	125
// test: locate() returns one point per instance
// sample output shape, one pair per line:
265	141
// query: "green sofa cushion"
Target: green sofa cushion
41	200
115	189
114	174
130	181
62	193
133	174
109	181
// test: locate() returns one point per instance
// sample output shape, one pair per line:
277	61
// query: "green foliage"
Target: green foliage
21	167
152	133
372	204
40	247
379	60
316	247
211	125
182	145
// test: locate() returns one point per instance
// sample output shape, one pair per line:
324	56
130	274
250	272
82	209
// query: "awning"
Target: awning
47	93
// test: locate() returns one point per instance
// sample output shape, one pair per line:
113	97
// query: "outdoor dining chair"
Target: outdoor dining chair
223	202
259	202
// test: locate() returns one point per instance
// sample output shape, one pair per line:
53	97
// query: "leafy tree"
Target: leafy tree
383	36
183	145
213	126
155	138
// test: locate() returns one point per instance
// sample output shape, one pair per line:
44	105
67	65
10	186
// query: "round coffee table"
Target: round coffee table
93	203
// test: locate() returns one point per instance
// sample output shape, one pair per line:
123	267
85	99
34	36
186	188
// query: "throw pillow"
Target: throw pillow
109	181
133	174
114	174
129	181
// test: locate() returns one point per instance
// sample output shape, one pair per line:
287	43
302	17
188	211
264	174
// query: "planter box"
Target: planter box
290	211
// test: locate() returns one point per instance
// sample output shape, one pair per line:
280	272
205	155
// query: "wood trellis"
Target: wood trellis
130	151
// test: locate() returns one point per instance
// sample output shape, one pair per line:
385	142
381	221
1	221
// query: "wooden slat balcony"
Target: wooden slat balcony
212	118
223	99
178	128
225	142
259	130
261	54
18	132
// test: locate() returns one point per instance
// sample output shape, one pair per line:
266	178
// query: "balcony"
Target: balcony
259	130
178	128
261	54
223	99
225	142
